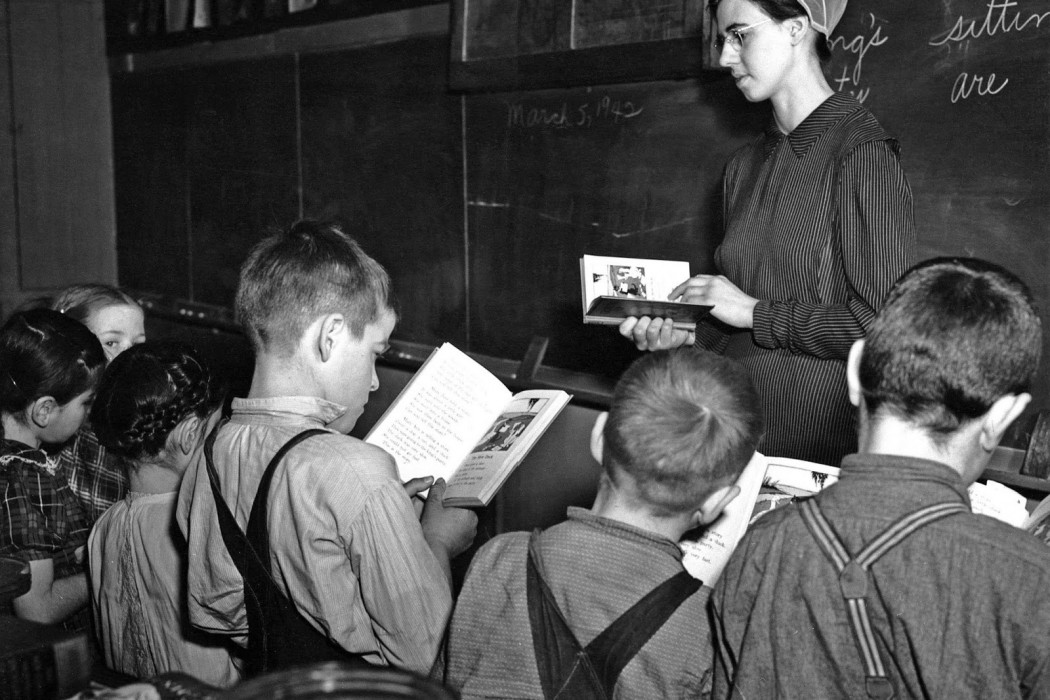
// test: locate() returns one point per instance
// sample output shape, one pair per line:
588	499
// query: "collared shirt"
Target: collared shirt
95	476
346	545
39	517
597	569
137	573
959	609
819	225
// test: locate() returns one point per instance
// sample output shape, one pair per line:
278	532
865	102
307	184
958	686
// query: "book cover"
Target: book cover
614	288
766	483
456	420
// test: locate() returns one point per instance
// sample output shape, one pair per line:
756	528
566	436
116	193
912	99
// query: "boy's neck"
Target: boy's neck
612	504
275	376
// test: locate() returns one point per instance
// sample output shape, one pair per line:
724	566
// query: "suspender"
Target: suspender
854	575
278	635
573	672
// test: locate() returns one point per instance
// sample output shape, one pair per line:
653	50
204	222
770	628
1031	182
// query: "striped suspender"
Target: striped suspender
853	577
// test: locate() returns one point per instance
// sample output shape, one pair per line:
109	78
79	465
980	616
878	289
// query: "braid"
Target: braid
146	392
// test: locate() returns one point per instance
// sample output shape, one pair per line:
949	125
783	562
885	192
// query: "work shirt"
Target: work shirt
959	609
138	568
597	569
346	545
819	225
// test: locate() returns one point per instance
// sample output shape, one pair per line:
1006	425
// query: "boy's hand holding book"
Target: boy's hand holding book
447	528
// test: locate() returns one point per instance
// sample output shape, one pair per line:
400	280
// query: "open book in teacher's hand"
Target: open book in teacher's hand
614	288
765	484
455	420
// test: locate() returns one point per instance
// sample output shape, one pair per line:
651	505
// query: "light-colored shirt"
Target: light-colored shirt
138	565
346	545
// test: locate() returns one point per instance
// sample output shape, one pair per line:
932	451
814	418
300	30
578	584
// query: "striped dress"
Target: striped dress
819	225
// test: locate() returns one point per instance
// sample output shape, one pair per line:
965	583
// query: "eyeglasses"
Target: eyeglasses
734	39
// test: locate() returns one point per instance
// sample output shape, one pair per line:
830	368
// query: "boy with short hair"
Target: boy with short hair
885	584
352	568
681	427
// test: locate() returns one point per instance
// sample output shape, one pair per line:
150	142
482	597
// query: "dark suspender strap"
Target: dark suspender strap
257	532
854	572
560	658
614	648
604	659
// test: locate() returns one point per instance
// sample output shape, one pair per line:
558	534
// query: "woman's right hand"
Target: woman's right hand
655	333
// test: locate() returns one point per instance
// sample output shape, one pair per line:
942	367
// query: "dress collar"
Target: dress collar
826	115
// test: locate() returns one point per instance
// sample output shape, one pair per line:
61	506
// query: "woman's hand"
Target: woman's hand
654	333
731	306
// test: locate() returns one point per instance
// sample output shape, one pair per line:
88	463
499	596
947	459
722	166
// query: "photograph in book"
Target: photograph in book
766	483
457	421
613	288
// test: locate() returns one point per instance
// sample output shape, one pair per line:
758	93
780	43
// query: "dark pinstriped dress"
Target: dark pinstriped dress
819	225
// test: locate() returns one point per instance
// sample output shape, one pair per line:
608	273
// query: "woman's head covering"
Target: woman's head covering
824	15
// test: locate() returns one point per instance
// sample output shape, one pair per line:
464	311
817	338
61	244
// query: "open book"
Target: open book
455	420
615	288
1000	502
766	483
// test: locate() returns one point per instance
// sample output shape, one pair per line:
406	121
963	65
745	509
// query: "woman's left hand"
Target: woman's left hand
731	305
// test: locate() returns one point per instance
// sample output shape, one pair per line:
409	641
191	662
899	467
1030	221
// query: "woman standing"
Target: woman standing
818	226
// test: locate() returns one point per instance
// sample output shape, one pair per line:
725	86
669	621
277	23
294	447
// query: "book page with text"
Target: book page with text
440	416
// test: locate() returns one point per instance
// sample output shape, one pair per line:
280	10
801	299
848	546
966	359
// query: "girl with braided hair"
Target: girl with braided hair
154	407
49	365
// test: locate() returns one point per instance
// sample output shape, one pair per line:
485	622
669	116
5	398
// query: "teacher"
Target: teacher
819	224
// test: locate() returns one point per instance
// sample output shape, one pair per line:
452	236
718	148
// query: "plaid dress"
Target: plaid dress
39	516
96	477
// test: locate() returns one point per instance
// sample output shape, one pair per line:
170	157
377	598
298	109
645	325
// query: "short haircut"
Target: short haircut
146	392
954	335
682	423
44	353
781	10
312	269
82	301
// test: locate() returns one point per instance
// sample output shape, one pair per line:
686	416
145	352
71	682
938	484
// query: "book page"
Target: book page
438	418
523	420
999	501
637	278
706	557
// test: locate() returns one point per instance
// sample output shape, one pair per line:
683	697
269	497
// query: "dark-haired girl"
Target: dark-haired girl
49	366
154	407
818	227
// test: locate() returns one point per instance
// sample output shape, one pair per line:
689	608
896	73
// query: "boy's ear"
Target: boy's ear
714	504
998	418
853	373
328	334
42	410
598	436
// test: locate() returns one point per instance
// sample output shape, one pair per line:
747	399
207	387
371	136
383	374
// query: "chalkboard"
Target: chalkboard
964	85
480	204
630	170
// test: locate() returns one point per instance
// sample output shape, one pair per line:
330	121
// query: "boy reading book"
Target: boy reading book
344	568
680	429
885	584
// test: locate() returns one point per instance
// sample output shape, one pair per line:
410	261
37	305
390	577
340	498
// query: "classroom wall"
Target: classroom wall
56	183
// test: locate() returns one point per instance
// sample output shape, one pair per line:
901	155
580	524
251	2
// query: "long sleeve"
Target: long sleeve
876	244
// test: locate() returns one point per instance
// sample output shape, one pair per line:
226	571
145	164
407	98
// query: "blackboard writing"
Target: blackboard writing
578	114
